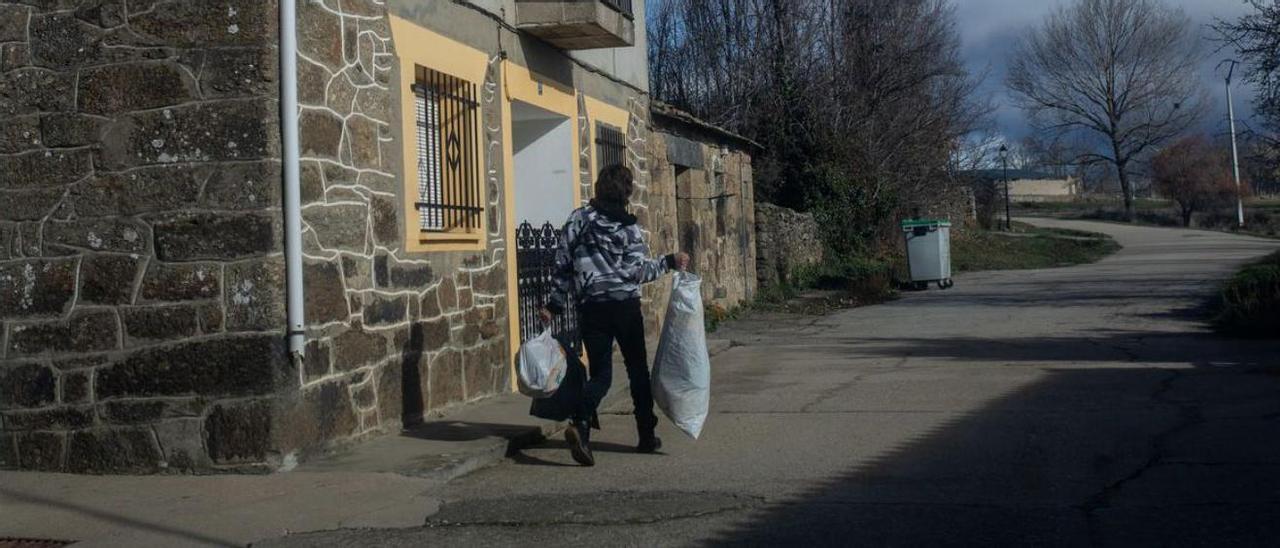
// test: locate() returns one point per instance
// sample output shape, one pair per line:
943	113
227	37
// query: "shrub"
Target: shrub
1250	302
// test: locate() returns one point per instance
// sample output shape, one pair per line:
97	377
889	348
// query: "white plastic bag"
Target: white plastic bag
542	366
681	367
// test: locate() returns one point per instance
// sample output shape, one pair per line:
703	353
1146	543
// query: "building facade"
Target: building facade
143	293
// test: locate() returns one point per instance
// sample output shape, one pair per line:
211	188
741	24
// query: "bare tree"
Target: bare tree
1121	71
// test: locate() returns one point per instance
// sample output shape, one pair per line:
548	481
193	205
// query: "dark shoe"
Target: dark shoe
649	444
578	435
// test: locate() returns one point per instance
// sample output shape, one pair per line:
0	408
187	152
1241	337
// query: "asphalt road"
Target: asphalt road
1075	406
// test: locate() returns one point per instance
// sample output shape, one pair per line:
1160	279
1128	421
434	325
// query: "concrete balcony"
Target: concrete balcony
578	24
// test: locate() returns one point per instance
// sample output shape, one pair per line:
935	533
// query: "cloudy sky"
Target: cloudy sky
988	27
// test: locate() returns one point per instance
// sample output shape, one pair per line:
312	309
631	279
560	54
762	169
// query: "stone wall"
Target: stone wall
785	240
393	336
704	205
140	279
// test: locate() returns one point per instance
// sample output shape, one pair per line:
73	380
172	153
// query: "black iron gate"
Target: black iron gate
535	263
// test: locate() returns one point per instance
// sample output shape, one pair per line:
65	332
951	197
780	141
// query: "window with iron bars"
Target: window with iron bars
449	192
610	147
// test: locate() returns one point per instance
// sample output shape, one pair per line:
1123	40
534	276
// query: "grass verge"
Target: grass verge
1028	247
1249	305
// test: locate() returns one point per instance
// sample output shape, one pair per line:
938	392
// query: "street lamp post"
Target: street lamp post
1235	154
1004	162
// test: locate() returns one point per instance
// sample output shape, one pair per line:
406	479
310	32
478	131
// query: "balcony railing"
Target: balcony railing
622	6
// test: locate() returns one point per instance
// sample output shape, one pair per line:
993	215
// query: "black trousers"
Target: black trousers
602	323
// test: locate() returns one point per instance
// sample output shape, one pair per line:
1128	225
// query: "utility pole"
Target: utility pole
1004	161
1235	154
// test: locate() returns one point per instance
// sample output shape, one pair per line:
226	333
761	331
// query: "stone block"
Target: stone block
239	433
362	137
85	331
391	392
490	281
255	296
182	441
211	318
103	13
340	94
31	90
116	450
27	385
145	190
30	204
79	362
240	72
181	282
357	348
382	270
316	364
76	387
14	55
385	310
229	367
13	23
319	35
446	380
119	235
482	373
197	236
20	133
430	304
326	298
374	103
244	186
448	294
378	182
382	214
55	418
414	276
340	227
180	23
465	299
40	451
320	133
364	396
319	414
228	130
148	324
70	130
312	79
312	182
113	89
435	333
129	412
43	169
108	279
358	272
59	40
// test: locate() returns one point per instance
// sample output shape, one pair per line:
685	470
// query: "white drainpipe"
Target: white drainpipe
292	186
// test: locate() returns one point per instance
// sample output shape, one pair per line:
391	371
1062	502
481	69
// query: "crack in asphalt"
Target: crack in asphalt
1189	416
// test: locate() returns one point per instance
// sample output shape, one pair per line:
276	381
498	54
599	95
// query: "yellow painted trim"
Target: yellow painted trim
418	46
600	111
523	85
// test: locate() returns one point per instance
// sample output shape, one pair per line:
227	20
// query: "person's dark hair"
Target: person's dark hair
614	186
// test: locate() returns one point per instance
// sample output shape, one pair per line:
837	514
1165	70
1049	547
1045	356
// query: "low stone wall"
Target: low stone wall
785	240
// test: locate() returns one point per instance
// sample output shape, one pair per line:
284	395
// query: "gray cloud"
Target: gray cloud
989	27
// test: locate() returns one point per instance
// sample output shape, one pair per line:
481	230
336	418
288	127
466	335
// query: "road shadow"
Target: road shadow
1173	442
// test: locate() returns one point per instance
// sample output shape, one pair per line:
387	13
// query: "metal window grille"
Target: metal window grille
610	147
535	265
621	6
449	197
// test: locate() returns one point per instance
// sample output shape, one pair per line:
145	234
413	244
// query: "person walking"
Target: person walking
602	260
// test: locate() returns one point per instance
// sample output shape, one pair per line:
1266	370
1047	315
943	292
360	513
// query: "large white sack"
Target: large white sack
542	366
681	367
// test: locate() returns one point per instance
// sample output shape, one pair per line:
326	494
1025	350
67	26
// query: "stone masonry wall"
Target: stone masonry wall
717	213
140	283
785	240
392	335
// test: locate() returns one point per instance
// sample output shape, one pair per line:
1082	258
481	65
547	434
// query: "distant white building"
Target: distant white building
1031	186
